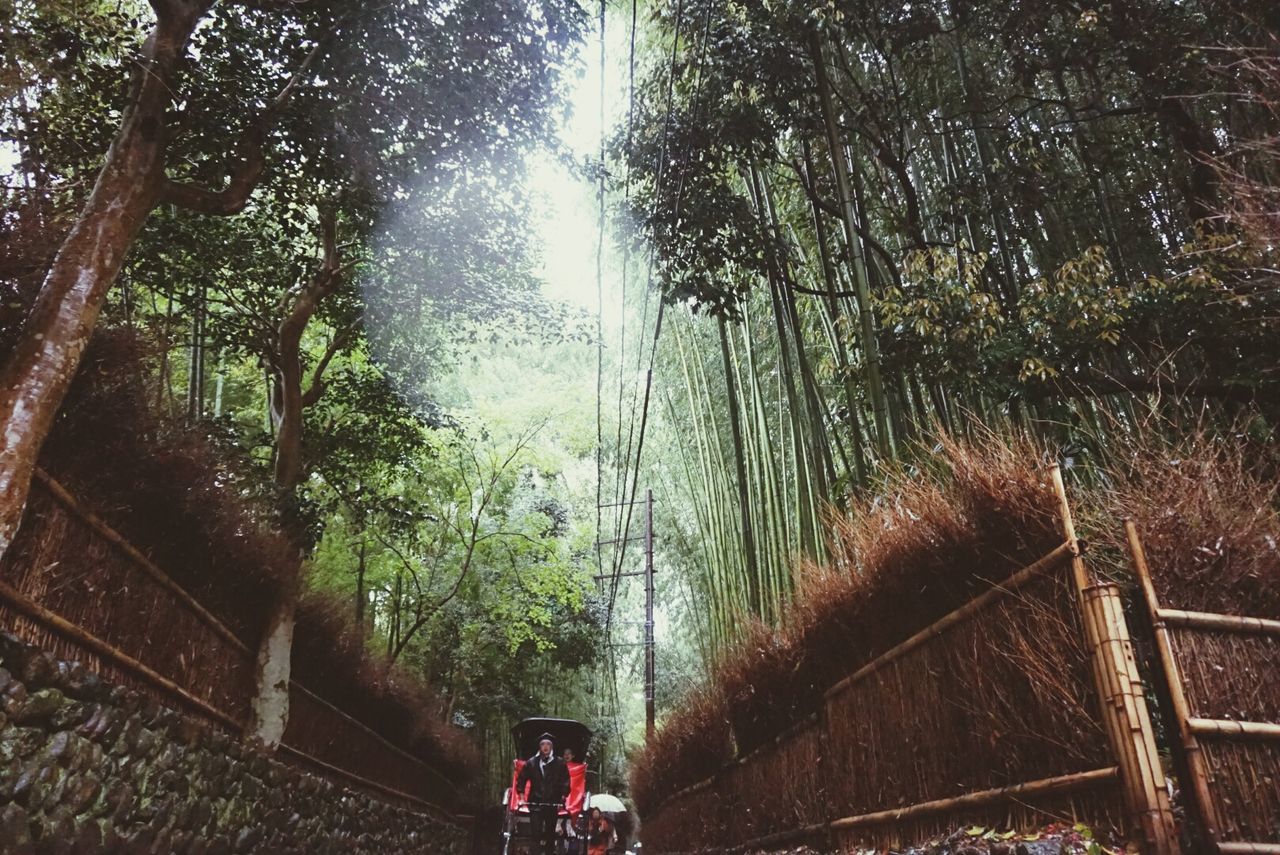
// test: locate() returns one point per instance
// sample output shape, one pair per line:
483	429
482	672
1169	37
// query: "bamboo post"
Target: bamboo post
1209	622
1227	728
1120	693
1134	719
1197	769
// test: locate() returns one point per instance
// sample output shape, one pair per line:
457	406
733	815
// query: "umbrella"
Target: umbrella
607	803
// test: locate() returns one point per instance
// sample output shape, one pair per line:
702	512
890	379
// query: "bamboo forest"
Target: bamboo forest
565	427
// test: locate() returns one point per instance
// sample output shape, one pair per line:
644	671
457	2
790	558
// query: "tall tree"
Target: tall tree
331	107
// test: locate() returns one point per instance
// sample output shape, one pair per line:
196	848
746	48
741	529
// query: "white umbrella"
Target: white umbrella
607	803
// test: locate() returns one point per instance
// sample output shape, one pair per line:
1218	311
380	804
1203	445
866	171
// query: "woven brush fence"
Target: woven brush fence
74	587
1001	698
990	716
1203	540
1021	706
778	786
327	735
692	821
1221	688
60	564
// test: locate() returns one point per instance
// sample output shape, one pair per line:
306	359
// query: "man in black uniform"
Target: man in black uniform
549	777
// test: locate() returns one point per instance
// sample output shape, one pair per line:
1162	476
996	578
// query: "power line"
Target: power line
600	298
661	174
629	471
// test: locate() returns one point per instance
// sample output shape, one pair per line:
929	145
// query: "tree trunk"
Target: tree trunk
288	400
39	372
271	700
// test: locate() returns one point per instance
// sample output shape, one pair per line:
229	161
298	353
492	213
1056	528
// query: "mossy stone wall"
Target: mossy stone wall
87	767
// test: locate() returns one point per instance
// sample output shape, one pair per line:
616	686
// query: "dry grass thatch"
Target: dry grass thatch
180	498
925	545
1205	506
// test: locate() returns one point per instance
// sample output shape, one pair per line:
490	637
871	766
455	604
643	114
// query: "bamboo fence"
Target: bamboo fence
164	642
1022	706
1226	664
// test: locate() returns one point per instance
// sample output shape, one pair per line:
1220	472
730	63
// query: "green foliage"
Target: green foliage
1028	230
391	225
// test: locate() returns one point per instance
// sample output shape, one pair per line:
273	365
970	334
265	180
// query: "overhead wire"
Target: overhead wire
629	503
629	470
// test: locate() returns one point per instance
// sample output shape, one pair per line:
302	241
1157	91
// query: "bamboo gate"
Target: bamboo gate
1216	754
829	778
201	664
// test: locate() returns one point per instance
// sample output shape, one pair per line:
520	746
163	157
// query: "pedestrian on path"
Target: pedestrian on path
600	834
547	778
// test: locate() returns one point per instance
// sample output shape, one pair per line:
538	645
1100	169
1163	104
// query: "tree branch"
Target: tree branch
314	393
248	172
232	198
170	10
1095	383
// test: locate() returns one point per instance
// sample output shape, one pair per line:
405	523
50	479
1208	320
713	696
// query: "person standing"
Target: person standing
600	834
566	828
547	778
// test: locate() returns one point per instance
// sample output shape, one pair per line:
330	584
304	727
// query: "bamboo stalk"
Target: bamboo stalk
1048	562
1093	778
857	259
109	534
124	661
1197	769
1222	623
1259	731
1242	848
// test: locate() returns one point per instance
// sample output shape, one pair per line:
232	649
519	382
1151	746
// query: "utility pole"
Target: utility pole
649	671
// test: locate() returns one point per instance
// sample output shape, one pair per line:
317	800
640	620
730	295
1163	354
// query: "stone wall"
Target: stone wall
90	767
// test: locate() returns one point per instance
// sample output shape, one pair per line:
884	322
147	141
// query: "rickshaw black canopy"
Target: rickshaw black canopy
566	732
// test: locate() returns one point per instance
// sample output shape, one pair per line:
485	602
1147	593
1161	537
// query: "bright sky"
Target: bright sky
567	203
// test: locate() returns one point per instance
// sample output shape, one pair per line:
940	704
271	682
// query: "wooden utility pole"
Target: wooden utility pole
650	669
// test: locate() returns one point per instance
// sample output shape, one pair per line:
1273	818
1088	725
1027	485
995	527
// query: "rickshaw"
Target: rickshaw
567	733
